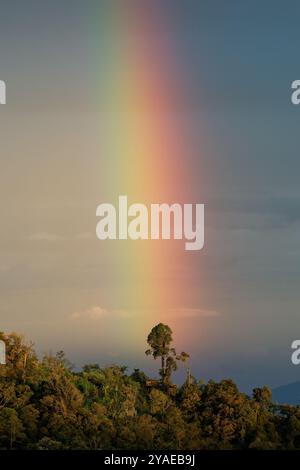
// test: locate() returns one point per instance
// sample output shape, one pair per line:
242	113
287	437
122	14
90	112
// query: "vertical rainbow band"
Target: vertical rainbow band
143	147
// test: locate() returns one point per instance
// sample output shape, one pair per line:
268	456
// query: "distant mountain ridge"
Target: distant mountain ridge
287	394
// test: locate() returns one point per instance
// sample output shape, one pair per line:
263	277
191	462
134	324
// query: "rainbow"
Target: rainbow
143	145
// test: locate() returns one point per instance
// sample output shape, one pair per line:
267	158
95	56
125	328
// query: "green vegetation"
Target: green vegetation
45	405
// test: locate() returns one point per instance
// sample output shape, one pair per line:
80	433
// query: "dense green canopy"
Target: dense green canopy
46	405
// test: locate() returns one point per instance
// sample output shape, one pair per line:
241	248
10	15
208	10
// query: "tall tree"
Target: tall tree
159	340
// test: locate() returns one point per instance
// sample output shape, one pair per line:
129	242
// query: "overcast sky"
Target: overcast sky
239	311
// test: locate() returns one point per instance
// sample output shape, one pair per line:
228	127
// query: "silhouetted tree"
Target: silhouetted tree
159	340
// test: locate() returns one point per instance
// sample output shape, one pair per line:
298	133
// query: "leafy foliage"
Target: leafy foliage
46	405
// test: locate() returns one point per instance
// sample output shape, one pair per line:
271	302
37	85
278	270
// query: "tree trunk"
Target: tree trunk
163	367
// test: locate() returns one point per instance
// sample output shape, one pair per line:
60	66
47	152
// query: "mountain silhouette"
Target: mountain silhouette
287	394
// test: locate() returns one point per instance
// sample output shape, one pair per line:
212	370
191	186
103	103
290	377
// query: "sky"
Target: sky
165	101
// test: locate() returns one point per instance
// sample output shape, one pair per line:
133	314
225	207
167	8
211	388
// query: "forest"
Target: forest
46	405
